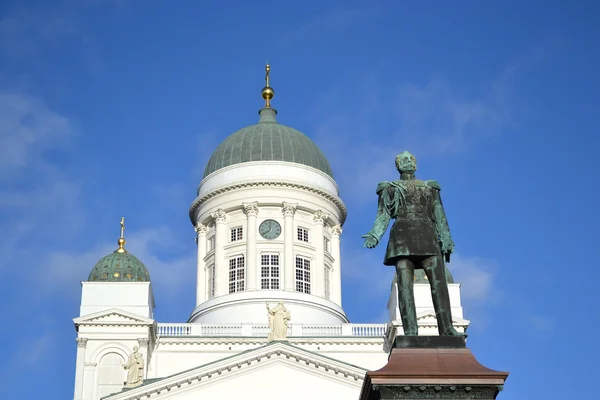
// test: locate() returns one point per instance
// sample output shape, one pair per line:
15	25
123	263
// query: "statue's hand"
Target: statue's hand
370	241
447	247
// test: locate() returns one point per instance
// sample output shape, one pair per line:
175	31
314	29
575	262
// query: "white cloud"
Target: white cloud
28	31
43	213
365	266
476	276
479	293
436	120
432	120
39	204
64	267
32	351
28	128
371	281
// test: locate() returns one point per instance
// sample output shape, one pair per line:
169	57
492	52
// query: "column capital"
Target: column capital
81	342
201	229
251	209
219	216
288	209
336	230
320	216
143	342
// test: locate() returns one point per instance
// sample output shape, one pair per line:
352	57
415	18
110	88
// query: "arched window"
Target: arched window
111	374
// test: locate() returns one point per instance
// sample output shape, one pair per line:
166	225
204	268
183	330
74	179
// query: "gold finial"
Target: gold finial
121	242
268	92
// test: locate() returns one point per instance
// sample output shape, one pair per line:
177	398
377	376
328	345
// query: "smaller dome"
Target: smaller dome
119	267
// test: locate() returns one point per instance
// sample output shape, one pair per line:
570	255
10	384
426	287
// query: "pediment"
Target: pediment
271	371
113	316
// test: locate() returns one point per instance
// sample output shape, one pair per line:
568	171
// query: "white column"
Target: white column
221	269
79	366
318	272
289	269
143	348
90	388
201	268
251	210
336	281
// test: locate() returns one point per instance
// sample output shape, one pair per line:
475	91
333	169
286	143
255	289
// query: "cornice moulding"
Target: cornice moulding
229	188
278	352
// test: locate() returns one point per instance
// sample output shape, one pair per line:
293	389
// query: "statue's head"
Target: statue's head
406	163
135	349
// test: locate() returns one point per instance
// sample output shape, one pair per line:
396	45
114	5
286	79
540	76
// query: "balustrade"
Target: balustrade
262	330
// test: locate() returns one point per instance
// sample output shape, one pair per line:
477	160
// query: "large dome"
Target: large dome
267	141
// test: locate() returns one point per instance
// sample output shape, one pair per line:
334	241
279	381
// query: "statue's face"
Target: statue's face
406	162
135	349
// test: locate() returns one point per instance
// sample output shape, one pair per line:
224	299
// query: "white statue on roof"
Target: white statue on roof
279	317
135	369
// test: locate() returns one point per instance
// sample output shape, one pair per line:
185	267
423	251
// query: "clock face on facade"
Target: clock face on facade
269	229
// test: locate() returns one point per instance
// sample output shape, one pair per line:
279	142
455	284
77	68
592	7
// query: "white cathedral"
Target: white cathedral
268	320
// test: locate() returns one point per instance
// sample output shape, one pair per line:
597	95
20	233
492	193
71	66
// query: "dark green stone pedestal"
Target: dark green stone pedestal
432	367
430	342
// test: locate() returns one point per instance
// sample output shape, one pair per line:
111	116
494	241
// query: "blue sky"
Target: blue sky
111	108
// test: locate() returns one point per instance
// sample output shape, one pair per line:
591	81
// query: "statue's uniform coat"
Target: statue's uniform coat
420	225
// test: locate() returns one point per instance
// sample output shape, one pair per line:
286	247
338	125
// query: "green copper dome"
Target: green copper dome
119	267
267	141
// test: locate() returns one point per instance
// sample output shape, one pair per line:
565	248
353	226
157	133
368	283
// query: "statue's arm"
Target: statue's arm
382	220
440	219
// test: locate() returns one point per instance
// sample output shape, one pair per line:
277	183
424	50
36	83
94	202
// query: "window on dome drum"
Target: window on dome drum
211	243
302	275
327	282
237	274
326	244
269	271
303	234
236	234
210	293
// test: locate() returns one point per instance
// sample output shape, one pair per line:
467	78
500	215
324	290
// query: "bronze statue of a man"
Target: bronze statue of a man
419	238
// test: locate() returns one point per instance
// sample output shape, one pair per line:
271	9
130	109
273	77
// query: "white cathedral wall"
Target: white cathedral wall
273	171
134	297
269	202
103	373
249	307
173	355
424	301
275	380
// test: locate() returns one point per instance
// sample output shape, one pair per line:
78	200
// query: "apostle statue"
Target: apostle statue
419	239
279	317
135	368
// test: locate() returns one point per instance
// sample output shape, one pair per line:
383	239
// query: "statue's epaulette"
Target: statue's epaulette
382	186
434	184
